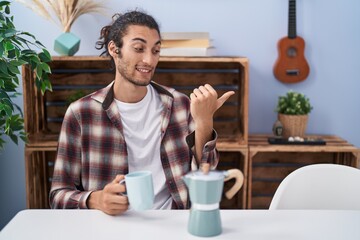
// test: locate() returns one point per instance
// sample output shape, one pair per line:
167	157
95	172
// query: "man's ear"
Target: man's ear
113	49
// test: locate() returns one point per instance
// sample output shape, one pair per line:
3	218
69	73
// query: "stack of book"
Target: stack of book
186	44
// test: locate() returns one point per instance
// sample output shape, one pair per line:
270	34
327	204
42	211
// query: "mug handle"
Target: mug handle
123	182
239	181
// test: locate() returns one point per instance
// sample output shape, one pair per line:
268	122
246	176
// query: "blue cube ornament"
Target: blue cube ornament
67	44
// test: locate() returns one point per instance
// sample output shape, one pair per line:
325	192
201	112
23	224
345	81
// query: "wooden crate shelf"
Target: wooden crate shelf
263	165
86	74
39	166
40	162
270	164
72	75
234	158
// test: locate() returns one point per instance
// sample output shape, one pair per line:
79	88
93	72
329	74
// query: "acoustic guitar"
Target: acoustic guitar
291	65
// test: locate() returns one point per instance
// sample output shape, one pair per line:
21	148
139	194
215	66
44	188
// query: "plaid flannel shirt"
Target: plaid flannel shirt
92	149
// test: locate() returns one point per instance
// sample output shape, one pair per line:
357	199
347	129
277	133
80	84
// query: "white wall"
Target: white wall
251	28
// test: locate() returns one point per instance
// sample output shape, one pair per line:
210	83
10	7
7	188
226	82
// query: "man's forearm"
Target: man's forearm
203	134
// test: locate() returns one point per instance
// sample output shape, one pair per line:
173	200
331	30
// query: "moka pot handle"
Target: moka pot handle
239	181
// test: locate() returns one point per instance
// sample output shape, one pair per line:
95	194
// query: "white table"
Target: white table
172	224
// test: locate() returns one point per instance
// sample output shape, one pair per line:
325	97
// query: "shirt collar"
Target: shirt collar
106	95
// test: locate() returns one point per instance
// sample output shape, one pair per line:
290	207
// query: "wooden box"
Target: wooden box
75	76
234	158
224	74
270	164
39	166
72	76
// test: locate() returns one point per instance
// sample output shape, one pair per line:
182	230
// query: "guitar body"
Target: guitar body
291	65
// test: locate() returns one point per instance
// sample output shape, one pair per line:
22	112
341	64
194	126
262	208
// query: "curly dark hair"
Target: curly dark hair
119	26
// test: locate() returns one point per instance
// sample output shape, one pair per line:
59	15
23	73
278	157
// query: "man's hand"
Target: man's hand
110	200
205	102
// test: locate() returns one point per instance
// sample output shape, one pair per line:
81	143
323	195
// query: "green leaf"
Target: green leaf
45	67
28	34
12	53
9	46
45	55
35	59
19	110
2	49
10	33
7	110
28	52
39	71
3	67
39	43
38	83
3	94
16	81
10	85
8	102
7	9
18	63
48	84
4	3
16	123
14	138
43	87
24	137
4	79
13	69
20	41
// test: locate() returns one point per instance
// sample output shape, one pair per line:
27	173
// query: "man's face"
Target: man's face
139	55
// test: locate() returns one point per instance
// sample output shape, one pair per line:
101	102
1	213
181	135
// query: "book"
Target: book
201	42
188	52
184	35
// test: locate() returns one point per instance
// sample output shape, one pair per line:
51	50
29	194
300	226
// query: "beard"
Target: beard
137	82
125	71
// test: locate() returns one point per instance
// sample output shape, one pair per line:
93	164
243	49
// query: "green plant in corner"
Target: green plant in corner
293	103
17	49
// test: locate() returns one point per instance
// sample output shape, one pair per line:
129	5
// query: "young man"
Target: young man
133	124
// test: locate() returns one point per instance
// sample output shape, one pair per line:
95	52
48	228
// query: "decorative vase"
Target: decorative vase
278	129
67	44
293	125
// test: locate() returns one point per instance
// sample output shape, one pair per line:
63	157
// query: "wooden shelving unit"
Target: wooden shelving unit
70	75
263	165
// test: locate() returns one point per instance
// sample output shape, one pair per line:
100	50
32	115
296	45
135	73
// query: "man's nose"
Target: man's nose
150	58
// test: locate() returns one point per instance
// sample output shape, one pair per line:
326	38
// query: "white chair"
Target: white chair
319	186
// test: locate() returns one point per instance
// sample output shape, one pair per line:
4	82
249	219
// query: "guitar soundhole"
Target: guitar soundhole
291	52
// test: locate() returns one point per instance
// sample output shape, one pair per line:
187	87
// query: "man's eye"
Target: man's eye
156	51
139	49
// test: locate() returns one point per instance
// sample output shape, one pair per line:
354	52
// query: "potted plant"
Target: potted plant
293	110
16	49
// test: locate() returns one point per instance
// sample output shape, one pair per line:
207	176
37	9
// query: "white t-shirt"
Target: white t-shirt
142	130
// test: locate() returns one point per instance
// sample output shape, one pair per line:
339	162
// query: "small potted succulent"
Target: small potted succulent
293	110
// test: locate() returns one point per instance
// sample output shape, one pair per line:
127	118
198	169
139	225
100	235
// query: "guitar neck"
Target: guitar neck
292	19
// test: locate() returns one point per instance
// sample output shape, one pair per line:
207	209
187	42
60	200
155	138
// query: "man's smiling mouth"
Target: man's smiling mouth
144	70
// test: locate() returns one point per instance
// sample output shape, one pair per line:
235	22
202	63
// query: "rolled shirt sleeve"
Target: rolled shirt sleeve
209	152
